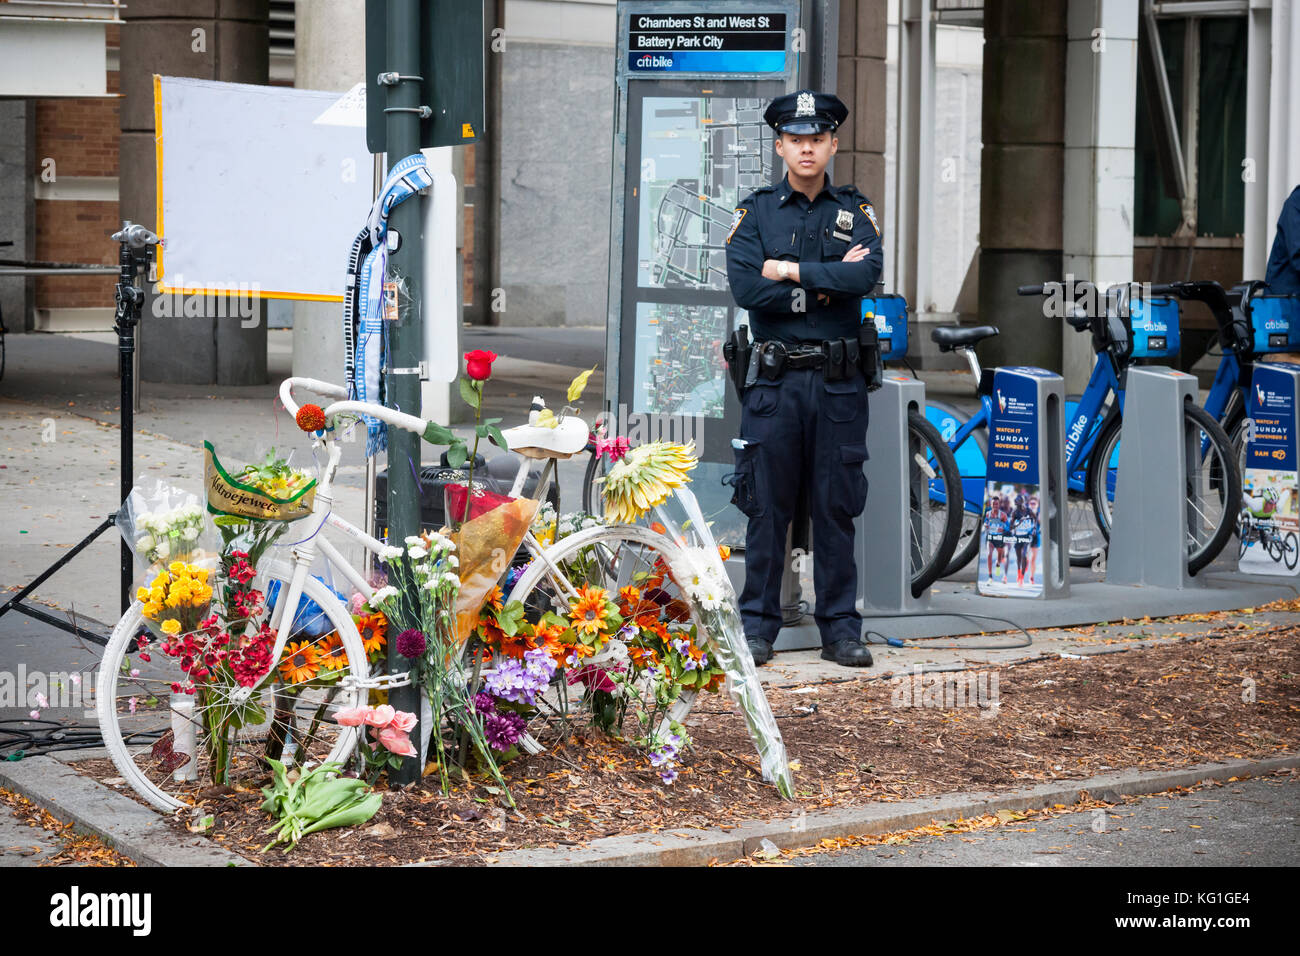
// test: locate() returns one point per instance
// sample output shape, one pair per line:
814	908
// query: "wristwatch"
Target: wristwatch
783	270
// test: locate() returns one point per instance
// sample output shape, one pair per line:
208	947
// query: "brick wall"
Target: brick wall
81	137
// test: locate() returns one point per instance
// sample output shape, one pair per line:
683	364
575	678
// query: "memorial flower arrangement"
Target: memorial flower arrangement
171	535
644	478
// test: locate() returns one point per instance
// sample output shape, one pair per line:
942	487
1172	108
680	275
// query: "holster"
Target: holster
869	360
771	359
736	351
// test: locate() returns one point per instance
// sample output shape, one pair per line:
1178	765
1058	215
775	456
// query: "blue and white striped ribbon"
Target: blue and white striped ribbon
364	329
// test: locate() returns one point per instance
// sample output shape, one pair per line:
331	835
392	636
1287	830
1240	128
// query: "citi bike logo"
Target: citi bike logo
654	62
1076	432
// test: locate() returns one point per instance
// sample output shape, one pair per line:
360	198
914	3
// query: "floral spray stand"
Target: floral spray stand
699	570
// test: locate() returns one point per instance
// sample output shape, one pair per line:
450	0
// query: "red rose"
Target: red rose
478	364
310	418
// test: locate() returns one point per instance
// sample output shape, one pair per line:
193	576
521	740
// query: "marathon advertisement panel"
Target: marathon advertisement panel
1011	530
1269	527
707	42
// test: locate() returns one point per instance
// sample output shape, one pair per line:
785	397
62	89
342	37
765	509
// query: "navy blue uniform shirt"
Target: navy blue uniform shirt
777	222
1284	264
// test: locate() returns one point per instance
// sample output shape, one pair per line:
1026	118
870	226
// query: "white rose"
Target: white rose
164	549
191	534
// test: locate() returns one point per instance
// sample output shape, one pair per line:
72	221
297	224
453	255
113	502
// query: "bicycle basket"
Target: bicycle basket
1154	323
1274	322
229	496
890	314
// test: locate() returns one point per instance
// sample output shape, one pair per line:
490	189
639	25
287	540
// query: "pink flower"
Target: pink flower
35	715
354	717
403	721
396	741
135	672
357	603
612	448
381	716
132	704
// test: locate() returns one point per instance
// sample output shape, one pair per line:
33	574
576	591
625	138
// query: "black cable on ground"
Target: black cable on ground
47	736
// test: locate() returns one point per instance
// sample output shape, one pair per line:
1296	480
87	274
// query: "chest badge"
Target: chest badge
844	221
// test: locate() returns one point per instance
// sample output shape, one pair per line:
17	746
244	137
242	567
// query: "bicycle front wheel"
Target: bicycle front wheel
1213	485
170	745
935	500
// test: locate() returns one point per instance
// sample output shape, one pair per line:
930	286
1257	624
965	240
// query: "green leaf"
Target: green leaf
436	434
491	421
457	454
498	439
473	398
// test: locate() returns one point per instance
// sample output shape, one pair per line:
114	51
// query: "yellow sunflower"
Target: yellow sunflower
300	663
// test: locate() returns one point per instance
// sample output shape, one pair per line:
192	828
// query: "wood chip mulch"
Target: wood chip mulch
1235	694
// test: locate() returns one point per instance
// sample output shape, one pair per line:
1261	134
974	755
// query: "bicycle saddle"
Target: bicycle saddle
537	441
949	337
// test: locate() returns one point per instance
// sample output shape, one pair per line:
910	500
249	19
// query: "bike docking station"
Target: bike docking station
1023	521
1270	491
888	529
1160	453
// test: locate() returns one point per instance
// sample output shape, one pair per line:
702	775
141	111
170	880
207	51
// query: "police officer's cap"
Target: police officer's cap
806	112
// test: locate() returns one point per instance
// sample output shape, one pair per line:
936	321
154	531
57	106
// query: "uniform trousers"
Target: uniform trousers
802	433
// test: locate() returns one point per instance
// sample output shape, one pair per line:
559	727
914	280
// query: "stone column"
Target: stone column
1021	176
214	40
861	85
329	54
1100	114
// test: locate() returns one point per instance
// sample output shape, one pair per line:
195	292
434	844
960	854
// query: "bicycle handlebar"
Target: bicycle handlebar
393	417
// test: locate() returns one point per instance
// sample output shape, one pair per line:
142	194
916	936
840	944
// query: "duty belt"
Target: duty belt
771	359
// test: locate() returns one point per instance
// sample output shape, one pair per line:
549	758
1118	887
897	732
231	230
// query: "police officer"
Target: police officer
800	256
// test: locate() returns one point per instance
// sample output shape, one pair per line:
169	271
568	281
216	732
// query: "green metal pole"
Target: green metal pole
406	335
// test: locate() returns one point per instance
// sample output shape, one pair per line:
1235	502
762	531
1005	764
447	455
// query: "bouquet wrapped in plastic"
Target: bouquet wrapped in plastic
484	544
701	573
162	524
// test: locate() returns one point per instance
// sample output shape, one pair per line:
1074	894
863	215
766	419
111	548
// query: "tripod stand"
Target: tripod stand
135	252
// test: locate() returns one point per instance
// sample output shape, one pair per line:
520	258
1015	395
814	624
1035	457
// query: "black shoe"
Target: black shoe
848	653
760	649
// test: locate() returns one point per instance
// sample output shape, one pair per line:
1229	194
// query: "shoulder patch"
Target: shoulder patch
870	213
736	220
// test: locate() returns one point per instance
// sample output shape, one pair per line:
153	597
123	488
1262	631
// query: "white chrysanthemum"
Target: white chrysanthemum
387	553
413	539
417	551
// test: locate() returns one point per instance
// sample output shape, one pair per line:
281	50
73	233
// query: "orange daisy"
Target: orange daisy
331	653
374	632
495	598
651	623
642	657
590	610
300	663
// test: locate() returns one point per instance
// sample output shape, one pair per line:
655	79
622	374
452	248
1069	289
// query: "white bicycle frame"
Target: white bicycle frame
305	552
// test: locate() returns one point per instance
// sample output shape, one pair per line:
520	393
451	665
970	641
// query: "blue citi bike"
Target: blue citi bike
1120	336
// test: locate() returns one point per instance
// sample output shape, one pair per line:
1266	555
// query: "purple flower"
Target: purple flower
520	681
484	703
513	576
411	643
668	776
504	729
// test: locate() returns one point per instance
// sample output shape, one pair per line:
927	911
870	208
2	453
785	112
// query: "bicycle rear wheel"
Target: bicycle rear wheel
615	558
162	739
1213	489
935	500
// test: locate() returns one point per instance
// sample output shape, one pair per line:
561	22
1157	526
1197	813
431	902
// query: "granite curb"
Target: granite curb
700	847
146	836
132	829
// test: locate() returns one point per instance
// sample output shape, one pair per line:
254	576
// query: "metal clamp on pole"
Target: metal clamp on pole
885	532
392	79
424	111
1158	455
